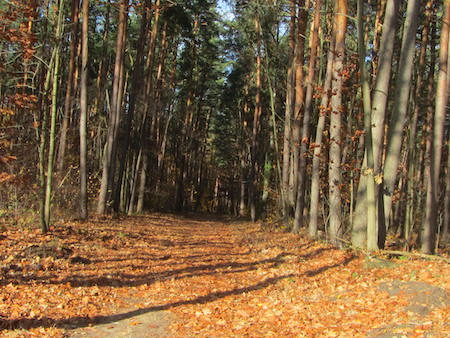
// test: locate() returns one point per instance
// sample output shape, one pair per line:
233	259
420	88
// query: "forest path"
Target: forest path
163	275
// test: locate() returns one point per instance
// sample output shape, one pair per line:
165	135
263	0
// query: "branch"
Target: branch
414	254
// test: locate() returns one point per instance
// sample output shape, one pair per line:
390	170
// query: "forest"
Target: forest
327	116
218	157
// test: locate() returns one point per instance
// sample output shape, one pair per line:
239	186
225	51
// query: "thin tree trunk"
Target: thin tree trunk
243	153
372	231
136	84
53	113
104	64
242	185
148	90
378	113
290	95
256	124
299	109
431	220
42	146
400	108
111	142
334	167
412	140
427	131
69	87
381	7
315	171
445	227
298	219
84	111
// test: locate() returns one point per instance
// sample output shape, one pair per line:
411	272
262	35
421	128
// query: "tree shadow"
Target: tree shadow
78	322
226	266
131	280
314	253
318	271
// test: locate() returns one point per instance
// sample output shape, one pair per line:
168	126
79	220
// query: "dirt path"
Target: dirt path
161	275
145	324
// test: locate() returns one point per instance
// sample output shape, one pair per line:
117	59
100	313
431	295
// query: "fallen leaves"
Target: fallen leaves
219	278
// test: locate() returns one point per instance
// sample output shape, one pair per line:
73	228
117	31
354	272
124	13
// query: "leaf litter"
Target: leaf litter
215	278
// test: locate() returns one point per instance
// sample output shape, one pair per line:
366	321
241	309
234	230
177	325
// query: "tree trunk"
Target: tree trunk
304	147
431	221
445	227
372	231
136	86
299	109
69	87
84	111
419	104
381	7
334	167
111	143
148	91
53	113
378	113
400	108
256	125
103	66
290	95
315	171
42	146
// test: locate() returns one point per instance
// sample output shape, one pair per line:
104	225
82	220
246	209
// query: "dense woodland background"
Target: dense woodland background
326	115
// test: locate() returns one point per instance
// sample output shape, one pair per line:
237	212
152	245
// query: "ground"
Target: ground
172	276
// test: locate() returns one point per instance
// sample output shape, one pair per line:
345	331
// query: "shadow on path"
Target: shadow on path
78	322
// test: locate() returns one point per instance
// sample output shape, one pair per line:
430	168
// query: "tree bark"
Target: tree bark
419	104
400	108
378	113
84	110
135	92
148	91
299	109
53	113
256	124
111	143
315	171
42	146
431	222
298	219
103	66
445	227
372	231
334	167
290	95
69	87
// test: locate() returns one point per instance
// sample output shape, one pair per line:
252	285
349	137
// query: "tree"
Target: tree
431	224
84	110
191	108
290	95
340	27
256	121
298	113
378	112
298	220
71	79
372	231
53	112
402	89
114	113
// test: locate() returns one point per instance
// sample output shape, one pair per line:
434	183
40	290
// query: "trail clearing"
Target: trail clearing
163	275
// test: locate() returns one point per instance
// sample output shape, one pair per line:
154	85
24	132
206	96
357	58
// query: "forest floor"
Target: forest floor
171	276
